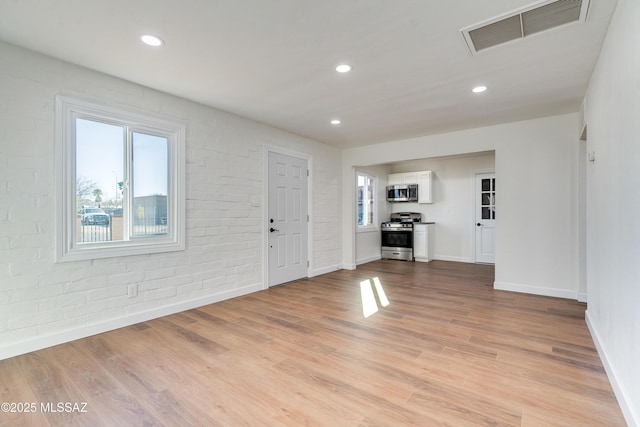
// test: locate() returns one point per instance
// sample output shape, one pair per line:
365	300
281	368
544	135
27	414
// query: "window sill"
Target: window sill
117	250
367	229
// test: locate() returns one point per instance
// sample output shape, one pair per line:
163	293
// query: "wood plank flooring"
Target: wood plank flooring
446	350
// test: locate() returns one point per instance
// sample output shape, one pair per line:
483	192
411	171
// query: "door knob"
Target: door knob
479	225
271	230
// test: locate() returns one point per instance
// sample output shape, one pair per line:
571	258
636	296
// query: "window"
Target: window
488	192
120	182
366	190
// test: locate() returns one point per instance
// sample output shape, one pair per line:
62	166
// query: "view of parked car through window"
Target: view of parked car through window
95	216
94	225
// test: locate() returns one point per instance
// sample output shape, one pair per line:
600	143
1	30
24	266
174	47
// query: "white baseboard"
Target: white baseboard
368	259
452	258
324	270
582	296
535	290
43	341
631	414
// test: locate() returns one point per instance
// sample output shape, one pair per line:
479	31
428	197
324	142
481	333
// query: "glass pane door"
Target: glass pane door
488	198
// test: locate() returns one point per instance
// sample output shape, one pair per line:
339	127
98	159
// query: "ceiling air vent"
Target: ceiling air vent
524	22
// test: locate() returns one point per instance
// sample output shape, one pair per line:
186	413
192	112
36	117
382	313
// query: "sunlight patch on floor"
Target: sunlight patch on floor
367	295
381	295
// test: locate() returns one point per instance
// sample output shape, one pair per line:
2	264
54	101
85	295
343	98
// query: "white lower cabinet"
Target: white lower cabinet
423	241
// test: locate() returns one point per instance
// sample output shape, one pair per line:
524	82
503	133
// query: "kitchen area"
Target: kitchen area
405	237
424	209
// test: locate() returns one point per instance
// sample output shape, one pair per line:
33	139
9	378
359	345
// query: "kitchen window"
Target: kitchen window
119	181
365	201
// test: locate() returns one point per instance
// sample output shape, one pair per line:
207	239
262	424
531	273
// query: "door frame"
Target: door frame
474	174
268	148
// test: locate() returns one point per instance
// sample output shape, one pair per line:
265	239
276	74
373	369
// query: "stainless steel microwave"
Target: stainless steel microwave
402	193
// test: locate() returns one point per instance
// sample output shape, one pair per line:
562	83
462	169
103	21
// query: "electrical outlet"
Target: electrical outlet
132	292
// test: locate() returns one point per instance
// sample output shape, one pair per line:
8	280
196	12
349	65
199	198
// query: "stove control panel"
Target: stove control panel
397	225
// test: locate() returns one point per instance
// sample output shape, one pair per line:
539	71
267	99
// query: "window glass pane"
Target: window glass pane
486	213
370	200
99	167
150	185
360	200
365	200
486	184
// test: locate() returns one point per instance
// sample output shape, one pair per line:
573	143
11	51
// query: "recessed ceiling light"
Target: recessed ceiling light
344	68
150	40
479	89
335	122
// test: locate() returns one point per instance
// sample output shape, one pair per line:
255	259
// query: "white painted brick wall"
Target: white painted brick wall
224	180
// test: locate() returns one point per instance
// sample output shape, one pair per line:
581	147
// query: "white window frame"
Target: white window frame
374	225
67	248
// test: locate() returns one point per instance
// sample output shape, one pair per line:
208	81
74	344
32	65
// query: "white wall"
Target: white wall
43	303
613	206
534	163
452	209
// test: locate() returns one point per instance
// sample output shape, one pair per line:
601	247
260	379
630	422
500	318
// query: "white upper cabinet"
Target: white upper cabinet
422	178
394	178
402	178
425	186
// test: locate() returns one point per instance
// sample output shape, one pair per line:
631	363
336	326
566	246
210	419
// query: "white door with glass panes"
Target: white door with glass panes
485	217
287	228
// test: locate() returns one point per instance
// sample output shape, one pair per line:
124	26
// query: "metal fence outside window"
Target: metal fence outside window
95	233
150	226
113	230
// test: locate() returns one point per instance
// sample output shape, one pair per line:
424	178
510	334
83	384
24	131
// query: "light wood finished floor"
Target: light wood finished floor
446	350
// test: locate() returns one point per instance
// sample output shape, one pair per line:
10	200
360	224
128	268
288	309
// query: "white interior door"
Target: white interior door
287	222
485	218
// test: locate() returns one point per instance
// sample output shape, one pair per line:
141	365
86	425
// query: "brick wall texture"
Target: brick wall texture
224	203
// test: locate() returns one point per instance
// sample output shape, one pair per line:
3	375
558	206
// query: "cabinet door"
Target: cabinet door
394	178
425	187
420	241
402	178
423	242
410	178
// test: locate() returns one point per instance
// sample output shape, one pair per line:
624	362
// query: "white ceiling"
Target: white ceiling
274	60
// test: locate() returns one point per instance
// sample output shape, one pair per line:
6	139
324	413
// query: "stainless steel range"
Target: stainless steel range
397	235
